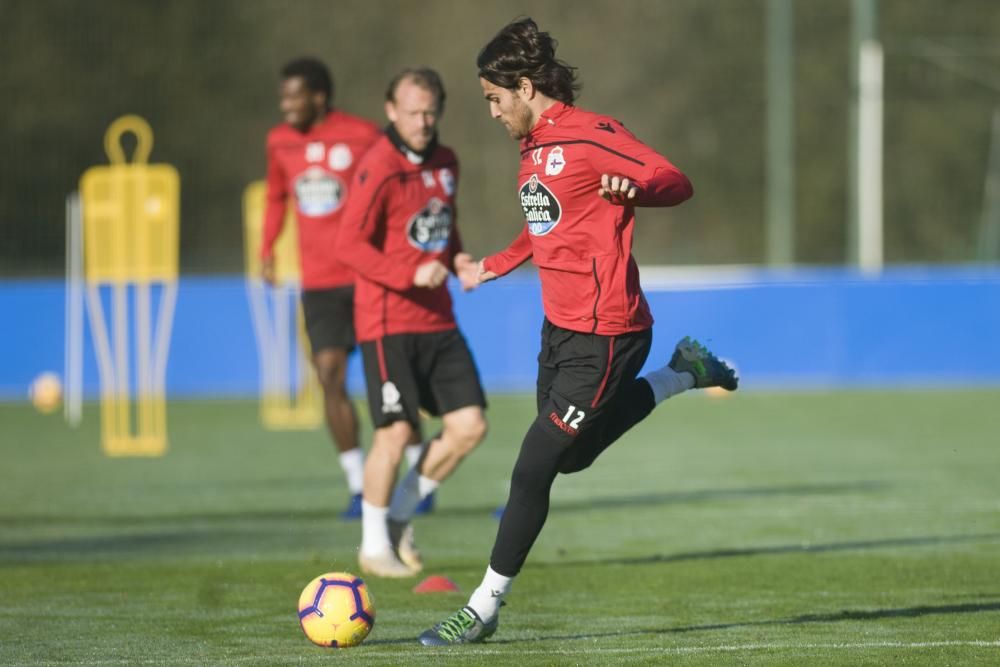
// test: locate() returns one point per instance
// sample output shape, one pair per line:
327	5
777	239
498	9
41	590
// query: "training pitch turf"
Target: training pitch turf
789	529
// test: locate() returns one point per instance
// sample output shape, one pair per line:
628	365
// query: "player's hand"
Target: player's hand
617	189
484	276
467	271
430	274
268	271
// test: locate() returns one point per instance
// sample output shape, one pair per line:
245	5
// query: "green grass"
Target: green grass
817	528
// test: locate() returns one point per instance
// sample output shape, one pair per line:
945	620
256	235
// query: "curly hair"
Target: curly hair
519	50
314	73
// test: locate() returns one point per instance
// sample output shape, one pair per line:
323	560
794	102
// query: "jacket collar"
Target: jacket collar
413	156
551	117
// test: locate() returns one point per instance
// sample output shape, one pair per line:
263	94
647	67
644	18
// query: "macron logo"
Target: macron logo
554	418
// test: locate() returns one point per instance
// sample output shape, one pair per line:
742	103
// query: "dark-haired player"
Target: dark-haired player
582	176
311	158
399	234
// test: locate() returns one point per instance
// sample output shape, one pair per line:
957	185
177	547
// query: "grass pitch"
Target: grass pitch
761	529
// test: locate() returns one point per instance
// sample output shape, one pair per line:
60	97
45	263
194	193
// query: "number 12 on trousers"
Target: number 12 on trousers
574	422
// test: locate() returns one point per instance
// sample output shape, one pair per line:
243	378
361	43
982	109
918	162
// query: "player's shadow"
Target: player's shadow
831	617
687	497
777	549
323	513
764	550
117	546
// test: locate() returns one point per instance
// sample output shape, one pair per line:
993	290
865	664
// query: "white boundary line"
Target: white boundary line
519	649
514	648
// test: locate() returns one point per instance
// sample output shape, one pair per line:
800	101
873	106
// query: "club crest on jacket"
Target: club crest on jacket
430	229
541	208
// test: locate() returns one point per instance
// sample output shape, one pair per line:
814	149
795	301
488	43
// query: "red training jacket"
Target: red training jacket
580	242
316	168
400	215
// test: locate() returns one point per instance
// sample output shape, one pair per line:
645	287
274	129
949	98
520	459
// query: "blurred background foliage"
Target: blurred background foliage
687	76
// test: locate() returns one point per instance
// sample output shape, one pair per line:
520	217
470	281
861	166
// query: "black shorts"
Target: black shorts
580	375
329	315
406	372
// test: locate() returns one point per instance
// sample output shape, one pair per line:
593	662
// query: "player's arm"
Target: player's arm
276	204
363	217
633	173
505	261
463	266
457	259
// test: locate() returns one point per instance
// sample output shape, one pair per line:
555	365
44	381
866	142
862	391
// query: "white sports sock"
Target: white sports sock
412	454
486	599
353	463
409	492
667	382
374	529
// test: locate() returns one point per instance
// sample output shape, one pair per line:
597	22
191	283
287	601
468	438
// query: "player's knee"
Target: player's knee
330	367
466	430
538	461
473	431
390	441
528	480
329	380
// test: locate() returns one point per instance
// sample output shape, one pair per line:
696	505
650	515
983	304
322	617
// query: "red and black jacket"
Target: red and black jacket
315	168
580	242
400	215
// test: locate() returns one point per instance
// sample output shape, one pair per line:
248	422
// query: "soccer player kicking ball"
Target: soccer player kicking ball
582	176
399	234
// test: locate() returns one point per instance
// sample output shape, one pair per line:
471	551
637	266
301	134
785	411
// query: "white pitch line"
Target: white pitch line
518	649
723	648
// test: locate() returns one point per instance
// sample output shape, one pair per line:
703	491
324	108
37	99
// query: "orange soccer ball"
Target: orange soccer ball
336	610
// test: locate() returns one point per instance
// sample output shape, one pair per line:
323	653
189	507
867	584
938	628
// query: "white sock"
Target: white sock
374	530
353	463
486	599
667	382
412	454
413	488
